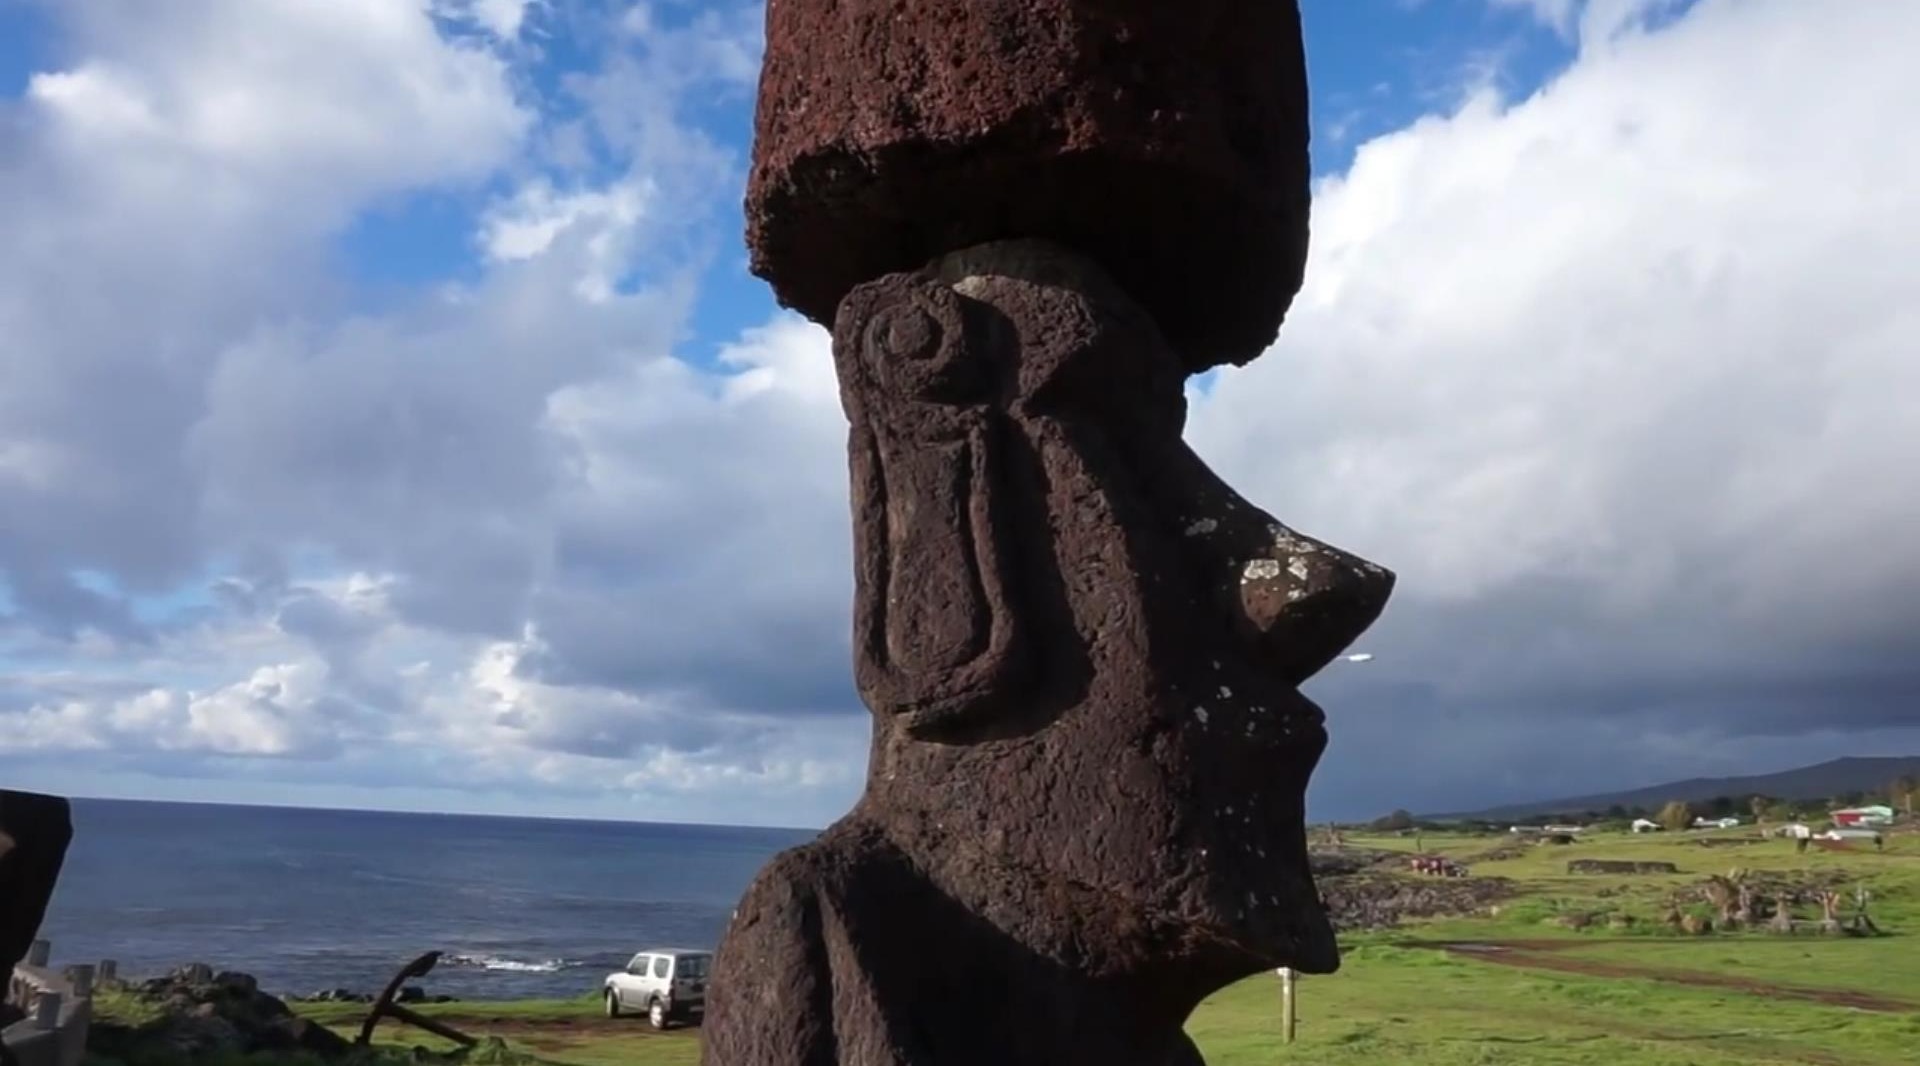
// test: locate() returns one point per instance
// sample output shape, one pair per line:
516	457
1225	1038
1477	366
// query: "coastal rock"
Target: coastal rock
300	1034
336	995
1372	901
201	1034
35	831
1169	142
204	1014
237	983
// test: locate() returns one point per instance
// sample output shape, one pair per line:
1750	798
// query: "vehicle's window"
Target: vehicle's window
660	966
694	966
638	967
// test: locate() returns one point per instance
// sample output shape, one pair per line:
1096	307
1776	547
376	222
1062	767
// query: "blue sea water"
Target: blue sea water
308	900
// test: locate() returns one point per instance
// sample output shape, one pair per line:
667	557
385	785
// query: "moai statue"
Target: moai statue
1783	915
1829	911
35	831
1028	222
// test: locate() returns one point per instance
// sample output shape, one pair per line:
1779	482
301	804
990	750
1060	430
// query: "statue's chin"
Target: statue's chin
1272	924
1308	944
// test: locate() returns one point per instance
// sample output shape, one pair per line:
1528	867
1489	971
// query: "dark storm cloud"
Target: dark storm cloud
1636	450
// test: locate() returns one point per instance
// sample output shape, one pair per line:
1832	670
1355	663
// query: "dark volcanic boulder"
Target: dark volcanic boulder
1167	141
200	1014
34	833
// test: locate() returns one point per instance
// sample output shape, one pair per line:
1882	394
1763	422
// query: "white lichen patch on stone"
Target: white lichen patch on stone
1203	526
1287	542
1261	570
975	285
1298	568
1226	693
1201	714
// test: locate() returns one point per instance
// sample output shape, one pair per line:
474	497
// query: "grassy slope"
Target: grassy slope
1394	1002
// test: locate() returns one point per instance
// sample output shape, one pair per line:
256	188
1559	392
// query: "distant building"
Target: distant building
1715	823
1566	829
1644	825
1864	816
1794	831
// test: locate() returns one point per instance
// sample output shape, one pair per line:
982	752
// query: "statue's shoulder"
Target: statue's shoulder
772	994
801	882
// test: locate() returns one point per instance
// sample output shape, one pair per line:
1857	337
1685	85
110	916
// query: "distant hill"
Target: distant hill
1806	783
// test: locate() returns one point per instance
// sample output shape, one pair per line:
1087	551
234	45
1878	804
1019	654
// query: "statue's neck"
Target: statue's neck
1072	981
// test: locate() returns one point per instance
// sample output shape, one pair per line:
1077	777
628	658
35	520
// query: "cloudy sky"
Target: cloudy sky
387	418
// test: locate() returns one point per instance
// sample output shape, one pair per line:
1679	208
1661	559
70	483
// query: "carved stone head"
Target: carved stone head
1082	649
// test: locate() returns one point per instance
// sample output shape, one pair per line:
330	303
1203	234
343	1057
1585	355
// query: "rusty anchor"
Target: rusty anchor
385	1007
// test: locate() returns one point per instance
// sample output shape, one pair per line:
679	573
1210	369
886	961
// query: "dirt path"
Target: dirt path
1552	955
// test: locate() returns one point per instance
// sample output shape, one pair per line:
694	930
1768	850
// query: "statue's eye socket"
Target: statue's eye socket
904	332
917	348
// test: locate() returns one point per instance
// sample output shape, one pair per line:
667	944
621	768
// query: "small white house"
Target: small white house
1645	825
1795	831
1715	823
1566	829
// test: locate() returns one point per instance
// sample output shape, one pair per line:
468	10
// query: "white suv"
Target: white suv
668	983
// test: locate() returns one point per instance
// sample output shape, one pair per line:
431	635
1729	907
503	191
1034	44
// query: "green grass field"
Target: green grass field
1550	996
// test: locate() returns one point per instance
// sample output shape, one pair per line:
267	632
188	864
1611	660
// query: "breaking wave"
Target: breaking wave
494	962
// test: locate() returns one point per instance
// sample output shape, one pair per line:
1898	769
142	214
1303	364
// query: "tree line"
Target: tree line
1901	795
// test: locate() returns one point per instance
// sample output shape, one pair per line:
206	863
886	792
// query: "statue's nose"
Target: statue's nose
1303	602
1299	601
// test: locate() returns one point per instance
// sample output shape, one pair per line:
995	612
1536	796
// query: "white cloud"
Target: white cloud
504	19
278	711
338	101
606	222
1618	378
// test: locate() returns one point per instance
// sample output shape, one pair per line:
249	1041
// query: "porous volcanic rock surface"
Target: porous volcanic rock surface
1374	900
200	1018
1167	141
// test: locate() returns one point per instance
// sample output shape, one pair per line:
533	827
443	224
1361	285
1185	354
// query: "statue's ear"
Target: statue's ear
935	625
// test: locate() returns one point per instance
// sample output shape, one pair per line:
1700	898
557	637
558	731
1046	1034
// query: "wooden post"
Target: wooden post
109	971
81	979
1287	1002
38	952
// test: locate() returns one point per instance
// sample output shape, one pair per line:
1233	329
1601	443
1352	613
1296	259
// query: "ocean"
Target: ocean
307	900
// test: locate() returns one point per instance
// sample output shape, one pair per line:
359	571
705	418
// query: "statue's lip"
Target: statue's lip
1307	942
